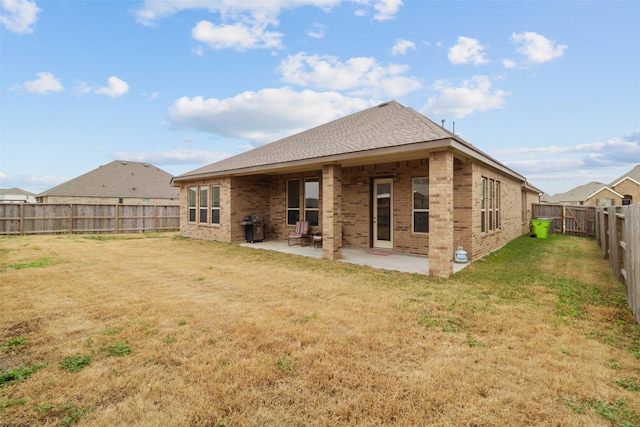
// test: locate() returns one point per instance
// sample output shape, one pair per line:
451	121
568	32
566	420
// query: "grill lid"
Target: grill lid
252	219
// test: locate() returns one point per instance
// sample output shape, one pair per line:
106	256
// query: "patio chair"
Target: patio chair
301	233
317	239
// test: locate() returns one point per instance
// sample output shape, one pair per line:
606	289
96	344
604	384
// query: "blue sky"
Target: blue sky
549	88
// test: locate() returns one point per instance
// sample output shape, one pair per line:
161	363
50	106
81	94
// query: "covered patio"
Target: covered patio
372	258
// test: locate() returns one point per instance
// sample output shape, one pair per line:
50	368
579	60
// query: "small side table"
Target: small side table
317	240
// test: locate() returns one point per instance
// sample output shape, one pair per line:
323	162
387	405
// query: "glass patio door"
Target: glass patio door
382	213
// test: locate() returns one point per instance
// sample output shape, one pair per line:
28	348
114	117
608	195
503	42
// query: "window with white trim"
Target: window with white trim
483	204
497	202
490	201
490	206
191	196
203	205
311	200
421	205
215	204
293	201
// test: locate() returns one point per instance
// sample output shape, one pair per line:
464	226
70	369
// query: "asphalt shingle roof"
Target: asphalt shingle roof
16	191
387	125
633	174
119	179
582	192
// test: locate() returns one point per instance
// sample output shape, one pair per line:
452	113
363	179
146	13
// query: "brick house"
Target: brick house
118	182
386	177
628	186
624	190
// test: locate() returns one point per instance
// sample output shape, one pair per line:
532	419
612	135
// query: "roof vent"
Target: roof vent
124	163
383	105
146	165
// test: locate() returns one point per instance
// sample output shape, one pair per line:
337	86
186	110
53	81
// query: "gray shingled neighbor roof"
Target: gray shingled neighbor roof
580	193
386	126
15	191
119	179
633	174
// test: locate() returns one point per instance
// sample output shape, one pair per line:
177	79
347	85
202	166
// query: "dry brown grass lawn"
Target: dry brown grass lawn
181	332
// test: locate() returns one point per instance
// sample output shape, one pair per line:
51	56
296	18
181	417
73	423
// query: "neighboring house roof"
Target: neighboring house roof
581	193
15	191
586	191
119	179
546	198
384	130
633	175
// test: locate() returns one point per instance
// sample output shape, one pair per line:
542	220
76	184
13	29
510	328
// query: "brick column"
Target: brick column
332	211
441	214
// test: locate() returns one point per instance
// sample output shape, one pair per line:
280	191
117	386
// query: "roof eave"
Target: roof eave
358	157
346	159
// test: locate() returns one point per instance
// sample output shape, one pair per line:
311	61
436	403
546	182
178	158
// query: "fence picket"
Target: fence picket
39	218
617	232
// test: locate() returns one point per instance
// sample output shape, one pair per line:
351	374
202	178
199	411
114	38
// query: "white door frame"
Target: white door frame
382	224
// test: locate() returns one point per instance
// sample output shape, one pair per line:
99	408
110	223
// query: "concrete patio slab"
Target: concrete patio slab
388	261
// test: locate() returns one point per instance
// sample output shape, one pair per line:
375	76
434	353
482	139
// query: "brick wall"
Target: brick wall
598	199
266	195
206	231
463	204
277	227
511	212
357	194
628	187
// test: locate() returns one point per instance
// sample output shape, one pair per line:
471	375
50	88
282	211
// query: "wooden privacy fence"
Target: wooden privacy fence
570	220
618	234
37	218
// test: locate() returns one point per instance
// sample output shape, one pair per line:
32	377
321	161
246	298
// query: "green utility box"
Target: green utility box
540	227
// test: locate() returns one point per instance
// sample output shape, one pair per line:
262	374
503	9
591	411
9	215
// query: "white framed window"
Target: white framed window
293	201
215	204
311	200
490	201
490	206
483	204
421	205
204	199
191	196
497	202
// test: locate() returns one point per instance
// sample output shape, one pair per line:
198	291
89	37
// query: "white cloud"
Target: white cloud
509	63
402	46
467	51
174	157
317	31
573	165
239	36
386	9
19	16
46	82
536	48
153	10
357	76
245	23
116	88
198	50
82	88
617	149
263	116
471	96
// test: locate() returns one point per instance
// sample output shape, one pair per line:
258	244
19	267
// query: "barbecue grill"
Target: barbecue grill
254	228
